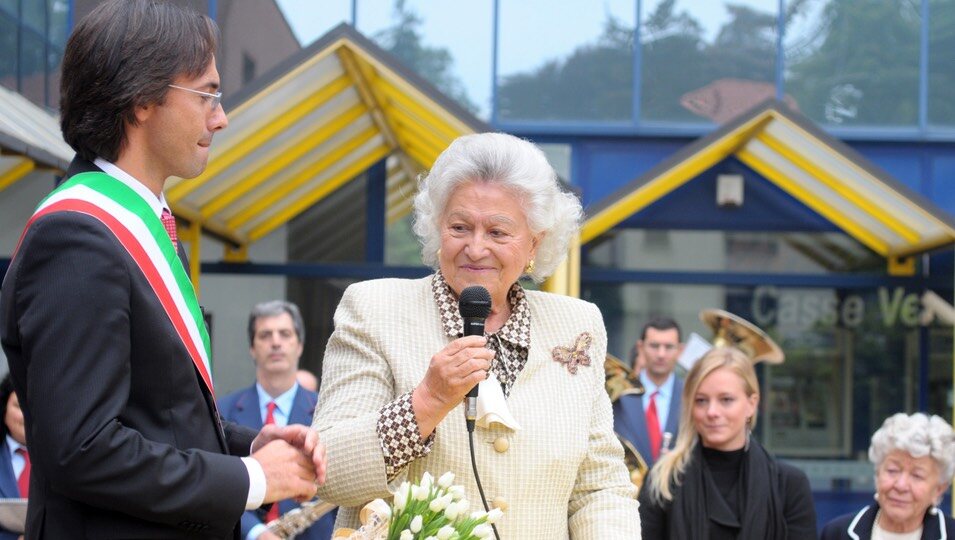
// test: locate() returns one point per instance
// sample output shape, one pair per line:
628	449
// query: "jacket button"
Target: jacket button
501	444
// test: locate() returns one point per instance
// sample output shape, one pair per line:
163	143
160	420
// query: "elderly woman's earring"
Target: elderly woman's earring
875	495
438	253
530	267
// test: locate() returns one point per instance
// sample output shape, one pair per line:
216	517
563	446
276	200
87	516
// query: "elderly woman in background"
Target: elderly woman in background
397	368
914	458
718	482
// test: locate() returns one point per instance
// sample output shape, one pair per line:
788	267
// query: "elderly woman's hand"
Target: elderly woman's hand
453	371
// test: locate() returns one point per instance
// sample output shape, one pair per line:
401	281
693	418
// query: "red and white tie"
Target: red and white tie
169	222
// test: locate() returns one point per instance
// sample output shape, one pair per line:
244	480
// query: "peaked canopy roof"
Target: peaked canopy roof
29	139
314	123
821	172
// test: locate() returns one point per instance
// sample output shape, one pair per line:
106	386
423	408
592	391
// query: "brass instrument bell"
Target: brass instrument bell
734	331
621	380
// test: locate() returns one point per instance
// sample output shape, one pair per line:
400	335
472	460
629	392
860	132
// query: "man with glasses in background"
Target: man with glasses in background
651	420
98	318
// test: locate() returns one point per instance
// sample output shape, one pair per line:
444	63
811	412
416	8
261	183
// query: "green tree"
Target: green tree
433	63
593	83
863	65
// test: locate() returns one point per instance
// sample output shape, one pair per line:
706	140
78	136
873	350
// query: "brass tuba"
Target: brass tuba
733	331
621	380
295	521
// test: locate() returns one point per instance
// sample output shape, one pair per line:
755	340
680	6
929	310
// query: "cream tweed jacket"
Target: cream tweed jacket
561	475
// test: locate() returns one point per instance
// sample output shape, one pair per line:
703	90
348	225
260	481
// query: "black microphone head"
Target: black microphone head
475	302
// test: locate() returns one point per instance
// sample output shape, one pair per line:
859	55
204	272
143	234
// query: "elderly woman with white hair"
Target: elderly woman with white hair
914	458
397	369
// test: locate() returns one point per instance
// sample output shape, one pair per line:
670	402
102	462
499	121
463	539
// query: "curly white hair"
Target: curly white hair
919	435
515	164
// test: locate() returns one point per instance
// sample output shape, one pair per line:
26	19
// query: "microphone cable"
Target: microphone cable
477	477
475	305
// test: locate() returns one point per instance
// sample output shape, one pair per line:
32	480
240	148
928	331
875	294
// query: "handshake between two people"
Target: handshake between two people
293	460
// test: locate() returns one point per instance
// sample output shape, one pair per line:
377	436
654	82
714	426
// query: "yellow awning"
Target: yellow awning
319	120
815	168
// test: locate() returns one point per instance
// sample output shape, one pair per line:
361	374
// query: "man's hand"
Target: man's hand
299	436
289	474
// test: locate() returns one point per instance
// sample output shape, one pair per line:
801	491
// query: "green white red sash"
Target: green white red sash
140	231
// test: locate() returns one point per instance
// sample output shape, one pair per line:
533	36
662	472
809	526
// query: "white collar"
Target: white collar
156	203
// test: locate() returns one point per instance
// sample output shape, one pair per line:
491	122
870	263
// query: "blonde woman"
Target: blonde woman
718	482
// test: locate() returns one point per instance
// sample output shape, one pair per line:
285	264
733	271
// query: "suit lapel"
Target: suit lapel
8	482
303	407
248	409
673	416
630	422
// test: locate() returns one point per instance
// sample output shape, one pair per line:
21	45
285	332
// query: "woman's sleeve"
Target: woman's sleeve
357	383
799	510
603	502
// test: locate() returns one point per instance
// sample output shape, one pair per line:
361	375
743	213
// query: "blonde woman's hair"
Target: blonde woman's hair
668	471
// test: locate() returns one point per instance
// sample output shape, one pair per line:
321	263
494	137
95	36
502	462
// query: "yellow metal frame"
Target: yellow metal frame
804	195
566	278
669	180
15	173
275	196
257	137
300	205
840	187
281	159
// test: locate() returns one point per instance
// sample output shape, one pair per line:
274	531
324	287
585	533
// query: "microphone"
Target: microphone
474	305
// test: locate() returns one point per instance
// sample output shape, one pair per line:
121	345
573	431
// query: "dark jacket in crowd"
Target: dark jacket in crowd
858	526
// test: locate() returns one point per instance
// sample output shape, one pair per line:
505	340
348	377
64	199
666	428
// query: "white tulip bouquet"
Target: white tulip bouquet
427	510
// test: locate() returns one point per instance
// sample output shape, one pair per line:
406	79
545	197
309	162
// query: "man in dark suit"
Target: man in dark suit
99	322
14	459
650	420
276	342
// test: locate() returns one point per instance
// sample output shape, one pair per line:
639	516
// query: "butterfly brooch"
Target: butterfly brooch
574	356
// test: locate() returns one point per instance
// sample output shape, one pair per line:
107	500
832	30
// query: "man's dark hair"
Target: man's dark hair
661	323
122	55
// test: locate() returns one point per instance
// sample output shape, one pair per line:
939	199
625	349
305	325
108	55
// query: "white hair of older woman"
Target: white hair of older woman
919	435
514	164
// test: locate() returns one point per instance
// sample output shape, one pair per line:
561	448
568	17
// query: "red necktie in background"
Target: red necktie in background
273	512
23	482
653	426
169	222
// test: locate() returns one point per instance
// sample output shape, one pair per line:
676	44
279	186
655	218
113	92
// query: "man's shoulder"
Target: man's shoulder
236	398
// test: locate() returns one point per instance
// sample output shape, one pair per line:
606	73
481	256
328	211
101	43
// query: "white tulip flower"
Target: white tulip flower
446	479
416	524
445	532
440	503
427	481
452	511
483	531
407	535
401	496
457	492
494	515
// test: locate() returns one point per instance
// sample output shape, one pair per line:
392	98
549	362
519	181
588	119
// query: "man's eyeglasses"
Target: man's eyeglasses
213	99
